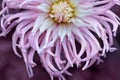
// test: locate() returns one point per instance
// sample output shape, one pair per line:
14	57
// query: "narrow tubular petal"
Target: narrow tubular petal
94	47
81	13
92	36
115	25
14	45
113	17
40	19
61	31
67	54
80	38
68	31
50	63
44	7
30	58
57	53
109	31
94	25
72	42
46	24
79	23
48	33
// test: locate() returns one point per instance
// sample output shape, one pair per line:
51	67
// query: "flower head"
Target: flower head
61	32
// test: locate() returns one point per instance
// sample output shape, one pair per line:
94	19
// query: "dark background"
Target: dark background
13	68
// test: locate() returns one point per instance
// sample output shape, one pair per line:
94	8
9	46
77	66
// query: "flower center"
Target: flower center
62	12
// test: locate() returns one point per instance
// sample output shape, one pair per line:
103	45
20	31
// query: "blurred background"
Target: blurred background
13	67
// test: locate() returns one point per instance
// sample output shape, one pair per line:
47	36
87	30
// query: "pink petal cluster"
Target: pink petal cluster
83	41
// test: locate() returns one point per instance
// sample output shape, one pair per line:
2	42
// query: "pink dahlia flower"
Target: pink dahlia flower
61	32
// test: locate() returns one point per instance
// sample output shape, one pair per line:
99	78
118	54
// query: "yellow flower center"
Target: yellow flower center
62	11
